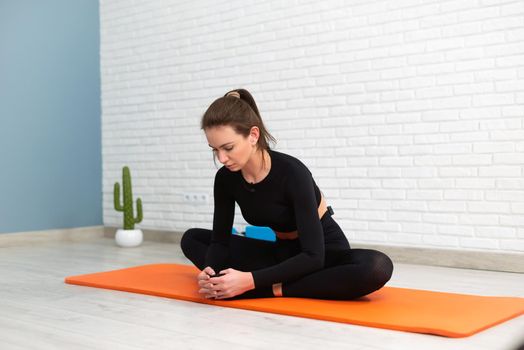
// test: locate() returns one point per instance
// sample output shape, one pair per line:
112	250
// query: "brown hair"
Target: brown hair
237	109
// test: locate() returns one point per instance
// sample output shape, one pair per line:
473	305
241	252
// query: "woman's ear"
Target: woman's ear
254	134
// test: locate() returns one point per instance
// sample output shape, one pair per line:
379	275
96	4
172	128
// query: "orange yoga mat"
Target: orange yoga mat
411	310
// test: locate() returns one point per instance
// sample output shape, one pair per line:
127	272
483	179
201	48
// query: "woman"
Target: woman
311	256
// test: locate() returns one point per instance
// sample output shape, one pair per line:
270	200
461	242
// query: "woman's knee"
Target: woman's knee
382	268
188	239
184	241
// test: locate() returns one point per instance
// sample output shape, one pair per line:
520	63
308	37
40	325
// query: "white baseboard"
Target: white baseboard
150	235
76	234
467	259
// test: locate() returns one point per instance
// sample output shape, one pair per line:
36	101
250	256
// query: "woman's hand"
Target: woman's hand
204	283
233	283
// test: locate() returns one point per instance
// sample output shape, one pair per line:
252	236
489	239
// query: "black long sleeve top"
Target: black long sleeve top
286	200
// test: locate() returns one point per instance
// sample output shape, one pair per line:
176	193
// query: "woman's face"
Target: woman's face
232	149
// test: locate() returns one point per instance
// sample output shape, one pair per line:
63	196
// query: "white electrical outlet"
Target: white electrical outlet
196	198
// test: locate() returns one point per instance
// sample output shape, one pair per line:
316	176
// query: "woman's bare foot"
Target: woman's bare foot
277	289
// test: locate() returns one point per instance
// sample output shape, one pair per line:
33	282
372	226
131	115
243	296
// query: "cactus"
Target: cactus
127	207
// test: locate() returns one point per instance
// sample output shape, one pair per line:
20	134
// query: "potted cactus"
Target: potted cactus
129	236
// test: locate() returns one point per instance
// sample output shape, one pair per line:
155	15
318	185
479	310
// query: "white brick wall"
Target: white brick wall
409	113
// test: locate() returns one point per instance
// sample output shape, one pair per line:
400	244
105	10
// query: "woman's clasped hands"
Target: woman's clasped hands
232	283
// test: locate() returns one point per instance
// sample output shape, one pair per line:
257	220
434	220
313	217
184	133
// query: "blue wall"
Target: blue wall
50	134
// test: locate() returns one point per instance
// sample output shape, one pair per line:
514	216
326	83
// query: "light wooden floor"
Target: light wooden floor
39	311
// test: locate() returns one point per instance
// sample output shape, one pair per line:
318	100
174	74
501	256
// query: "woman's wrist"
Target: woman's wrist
251	280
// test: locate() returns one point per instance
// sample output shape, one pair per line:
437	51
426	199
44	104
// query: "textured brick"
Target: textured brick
408	113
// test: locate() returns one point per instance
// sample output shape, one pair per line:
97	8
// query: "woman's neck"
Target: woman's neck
257	168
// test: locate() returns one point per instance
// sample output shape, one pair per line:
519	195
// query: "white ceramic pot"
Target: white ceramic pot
129	238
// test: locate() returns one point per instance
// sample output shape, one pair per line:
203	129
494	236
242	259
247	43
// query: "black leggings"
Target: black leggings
347	273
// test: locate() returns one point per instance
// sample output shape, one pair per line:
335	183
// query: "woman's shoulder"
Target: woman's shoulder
288	162
225	175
